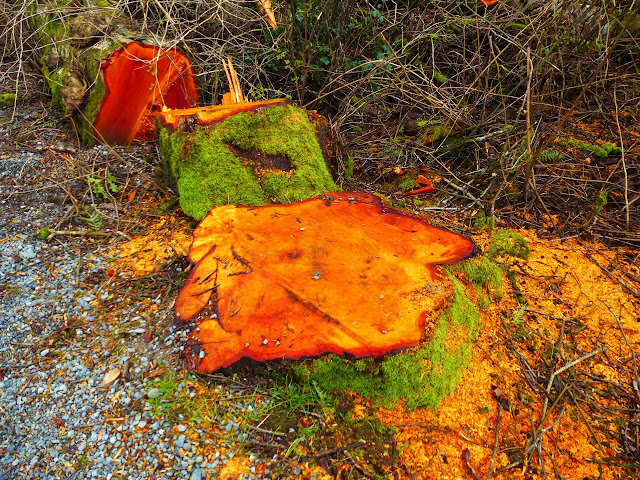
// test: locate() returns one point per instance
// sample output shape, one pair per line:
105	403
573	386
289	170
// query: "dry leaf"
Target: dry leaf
111	377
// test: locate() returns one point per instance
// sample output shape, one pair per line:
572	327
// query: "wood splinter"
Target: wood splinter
234	95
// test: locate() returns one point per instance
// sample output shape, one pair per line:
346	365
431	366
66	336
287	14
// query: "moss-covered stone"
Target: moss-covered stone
221	163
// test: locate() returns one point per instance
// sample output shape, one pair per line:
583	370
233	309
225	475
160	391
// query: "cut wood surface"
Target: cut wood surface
140	80
334	274
176	118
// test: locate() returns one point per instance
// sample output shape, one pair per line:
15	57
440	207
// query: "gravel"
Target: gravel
58	339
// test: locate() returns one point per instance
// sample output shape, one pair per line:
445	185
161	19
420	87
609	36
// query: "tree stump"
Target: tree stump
105	75
252	153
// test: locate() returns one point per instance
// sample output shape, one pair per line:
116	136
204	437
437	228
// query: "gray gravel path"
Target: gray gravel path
58	341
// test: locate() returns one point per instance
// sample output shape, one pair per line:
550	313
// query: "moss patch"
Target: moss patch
432	131
420	378
207	173
602	150
92	60
506	242
7	99
55	81
486	277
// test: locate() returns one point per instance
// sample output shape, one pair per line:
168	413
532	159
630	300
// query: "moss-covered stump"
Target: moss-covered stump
104	74
267	153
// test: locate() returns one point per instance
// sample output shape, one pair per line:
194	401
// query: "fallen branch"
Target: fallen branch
495	443
467	460
73	233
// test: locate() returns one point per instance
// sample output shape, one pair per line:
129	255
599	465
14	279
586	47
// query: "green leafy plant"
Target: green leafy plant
93	219
100	187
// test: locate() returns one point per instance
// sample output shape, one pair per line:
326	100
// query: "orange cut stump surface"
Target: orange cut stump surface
334	274
209	115
140	80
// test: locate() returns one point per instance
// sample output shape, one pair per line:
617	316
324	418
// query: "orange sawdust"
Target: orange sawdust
559	281
143	253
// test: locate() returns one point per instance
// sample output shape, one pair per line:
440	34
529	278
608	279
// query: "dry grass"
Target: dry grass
504	81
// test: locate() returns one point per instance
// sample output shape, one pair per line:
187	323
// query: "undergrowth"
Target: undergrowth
458	87
508	243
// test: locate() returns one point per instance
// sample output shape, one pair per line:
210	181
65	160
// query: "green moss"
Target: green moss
44	233
438	78
421	378
482	222
171	150
91	109
407	183
55	35
208	174
348	166
601	201
602	150
92	60
486	277
506	242
517	26
453	28
214	176
7	99
55	80
433	130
